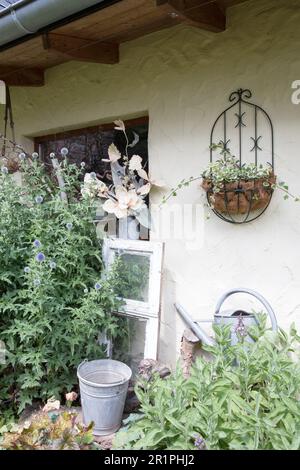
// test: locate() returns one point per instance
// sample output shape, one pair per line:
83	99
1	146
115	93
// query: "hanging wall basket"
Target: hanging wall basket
246	130
240	198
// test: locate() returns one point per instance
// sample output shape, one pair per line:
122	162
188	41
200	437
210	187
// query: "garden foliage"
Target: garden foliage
243	398
53	297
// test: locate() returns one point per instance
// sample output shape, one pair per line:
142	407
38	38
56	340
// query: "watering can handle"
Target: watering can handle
254	294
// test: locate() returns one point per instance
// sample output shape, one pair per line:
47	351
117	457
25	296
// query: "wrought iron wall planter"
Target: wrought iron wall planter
243	201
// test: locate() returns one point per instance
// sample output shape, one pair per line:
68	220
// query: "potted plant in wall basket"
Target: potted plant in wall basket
236	189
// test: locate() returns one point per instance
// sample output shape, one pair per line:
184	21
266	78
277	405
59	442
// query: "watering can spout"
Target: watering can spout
194	326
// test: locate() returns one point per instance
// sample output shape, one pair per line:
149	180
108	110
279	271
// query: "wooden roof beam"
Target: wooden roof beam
74	48
16	76
205	14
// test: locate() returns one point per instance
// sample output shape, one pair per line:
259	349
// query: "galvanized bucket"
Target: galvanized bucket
103	387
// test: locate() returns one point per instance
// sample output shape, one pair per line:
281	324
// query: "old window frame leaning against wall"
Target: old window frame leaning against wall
148	310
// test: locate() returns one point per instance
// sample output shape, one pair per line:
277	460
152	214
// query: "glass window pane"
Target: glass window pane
133	277
130	348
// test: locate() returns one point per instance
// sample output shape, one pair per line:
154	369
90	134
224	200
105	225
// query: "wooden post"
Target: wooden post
60	180
190	343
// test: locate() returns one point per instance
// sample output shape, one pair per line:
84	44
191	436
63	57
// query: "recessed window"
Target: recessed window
90	145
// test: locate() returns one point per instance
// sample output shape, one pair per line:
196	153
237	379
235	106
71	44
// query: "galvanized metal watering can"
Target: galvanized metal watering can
239	320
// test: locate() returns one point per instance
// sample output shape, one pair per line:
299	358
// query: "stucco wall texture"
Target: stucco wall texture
182	77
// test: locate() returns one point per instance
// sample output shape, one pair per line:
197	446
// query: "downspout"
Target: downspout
27	17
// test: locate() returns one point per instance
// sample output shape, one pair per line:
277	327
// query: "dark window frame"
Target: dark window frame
90	129
67	134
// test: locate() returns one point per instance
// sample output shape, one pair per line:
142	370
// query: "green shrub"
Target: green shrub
53	298
244	398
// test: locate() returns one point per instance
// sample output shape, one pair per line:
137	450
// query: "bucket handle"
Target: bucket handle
255	294
84	361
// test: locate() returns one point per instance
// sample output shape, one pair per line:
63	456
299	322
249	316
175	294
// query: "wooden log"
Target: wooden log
204	14
190	344
60	180
19	76
82	49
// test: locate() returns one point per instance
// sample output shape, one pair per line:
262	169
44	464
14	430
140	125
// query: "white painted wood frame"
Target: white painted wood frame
149	310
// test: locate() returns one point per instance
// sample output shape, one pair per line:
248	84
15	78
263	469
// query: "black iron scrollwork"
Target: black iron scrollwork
233	121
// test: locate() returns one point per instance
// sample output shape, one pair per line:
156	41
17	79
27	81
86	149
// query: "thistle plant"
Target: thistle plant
54	300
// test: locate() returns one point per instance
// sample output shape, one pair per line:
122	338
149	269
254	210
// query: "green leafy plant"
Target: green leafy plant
227	170
54	299
245	397
50	431
7	421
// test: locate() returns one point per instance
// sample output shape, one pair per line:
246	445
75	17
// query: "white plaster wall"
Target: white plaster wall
181	77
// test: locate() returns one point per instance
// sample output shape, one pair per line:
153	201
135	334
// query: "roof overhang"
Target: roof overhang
94	34
21	20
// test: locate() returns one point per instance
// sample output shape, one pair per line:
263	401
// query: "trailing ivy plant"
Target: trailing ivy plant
245	397
227	169
54	300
